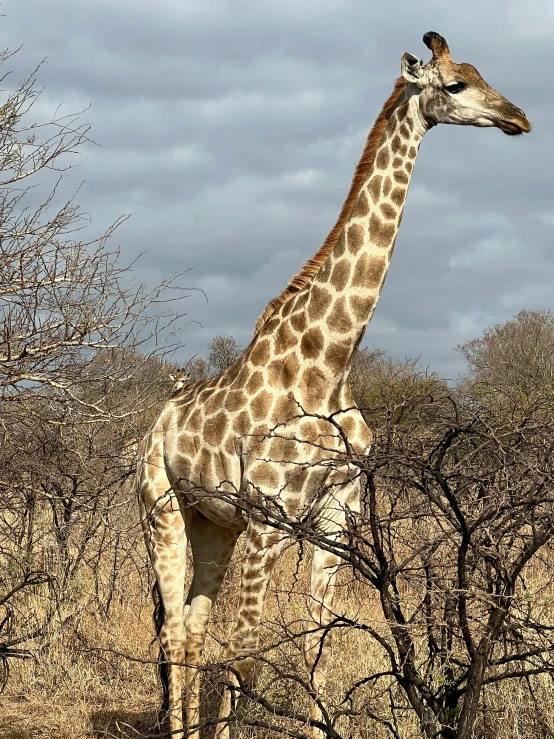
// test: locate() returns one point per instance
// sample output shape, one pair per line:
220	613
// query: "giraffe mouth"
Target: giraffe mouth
513	128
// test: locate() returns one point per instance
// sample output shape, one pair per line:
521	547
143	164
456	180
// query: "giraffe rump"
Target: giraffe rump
314	264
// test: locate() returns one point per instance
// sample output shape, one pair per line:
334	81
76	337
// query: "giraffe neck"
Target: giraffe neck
342	297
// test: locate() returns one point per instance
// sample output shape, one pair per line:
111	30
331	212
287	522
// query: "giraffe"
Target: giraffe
214	445
180	379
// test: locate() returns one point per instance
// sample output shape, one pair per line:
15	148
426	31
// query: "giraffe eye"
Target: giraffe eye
455	87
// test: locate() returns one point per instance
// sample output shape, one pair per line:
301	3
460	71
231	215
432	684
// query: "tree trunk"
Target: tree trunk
471	698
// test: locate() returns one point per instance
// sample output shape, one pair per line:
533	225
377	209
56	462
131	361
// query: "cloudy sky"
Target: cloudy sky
230	130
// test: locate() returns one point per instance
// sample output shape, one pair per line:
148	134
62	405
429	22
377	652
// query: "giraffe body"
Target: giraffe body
279	426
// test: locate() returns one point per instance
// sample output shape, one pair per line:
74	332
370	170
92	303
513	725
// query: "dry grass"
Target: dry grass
80	685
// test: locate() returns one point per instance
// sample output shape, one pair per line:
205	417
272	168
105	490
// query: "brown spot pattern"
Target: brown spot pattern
361	206
337	356
355	238
302	299
312	343
241	378
241	424
285	409
235	400
339	320
260	353
195	421
260	406
264	475
283	449
398	195
314	388
215	402
387	186
296	482
186	446
205	395
361	306
340	246
271	325
374	187
320	300
284	339
341	273
369	272
214	429
401	177
397	162
282	372
232	373
254	383
298	321
388	211
382	158
205	465
381	234
287	307
324	272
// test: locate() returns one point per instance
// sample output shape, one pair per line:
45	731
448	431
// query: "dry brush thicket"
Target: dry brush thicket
442	623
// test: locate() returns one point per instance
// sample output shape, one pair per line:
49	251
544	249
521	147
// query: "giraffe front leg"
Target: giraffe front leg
212	547
318	641
262	547
165	534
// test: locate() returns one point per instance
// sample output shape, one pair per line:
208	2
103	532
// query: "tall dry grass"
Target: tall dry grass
93	674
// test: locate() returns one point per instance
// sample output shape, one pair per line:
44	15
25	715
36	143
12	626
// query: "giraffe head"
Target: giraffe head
180	379
456	93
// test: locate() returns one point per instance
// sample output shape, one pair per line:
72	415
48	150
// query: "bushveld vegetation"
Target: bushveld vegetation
442	624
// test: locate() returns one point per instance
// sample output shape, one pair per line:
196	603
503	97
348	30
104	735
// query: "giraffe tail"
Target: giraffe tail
163	670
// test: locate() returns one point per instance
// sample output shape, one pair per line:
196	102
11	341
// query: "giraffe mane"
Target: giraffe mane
303	278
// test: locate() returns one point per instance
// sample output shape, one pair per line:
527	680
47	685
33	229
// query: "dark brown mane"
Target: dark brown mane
313	265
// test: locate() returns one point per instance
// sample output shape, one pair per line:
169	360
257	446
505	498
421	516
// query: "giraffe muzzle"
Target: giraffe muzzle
514	122
515	128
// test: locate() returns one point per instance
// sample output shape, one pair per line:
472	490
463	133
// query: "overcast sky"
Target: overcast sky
230	130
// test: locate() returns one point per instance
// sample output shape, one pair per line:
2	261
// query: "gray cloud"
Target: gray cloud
230	132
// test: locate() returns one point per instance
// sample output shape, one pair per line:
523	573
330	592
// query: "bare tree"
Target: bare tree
198	369
222	352
78	373
514	360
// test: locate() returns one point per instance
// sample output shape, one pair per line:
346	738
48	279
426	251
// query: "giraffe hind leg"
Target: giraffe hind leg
158	616
166	541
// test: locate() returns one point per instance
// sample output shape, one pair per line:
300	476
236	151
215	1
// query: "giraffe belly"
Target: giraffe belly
210	487
227	515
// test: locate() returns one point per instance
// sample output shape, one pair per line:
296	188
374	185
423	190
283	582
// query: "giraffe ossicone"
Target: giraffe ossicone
267	427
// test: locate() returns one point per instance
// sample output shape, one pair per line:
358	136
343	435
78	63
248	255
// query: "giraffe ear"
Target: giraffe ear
172	377
411	68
